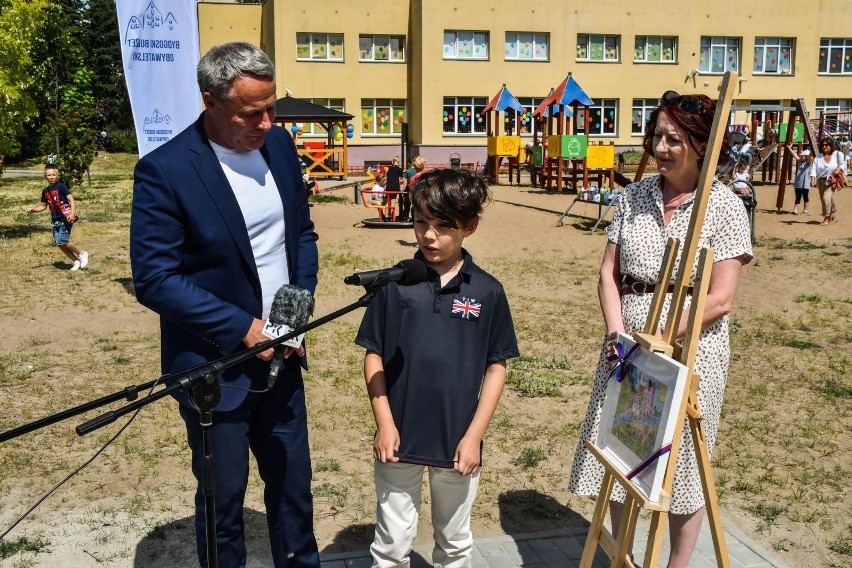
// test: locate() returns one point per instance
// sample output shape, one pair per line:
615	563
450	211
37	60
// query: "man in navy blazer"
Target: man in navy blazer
219	223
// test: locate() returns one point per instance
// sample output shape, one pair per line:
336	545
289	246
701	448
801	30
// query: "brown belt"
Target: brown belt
630	285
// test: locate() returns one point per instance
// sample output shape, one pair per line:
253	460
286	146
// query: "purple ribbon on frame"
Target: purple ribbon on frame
618	361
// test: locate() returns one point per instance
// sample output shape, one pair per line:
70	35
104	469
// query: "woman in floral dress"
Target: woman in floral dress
646	215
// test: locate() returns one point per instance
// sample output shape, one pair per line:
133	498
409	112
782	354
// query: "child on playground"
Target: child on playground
435	368
802	181
418	164
395	177
63	214
739	178
378	197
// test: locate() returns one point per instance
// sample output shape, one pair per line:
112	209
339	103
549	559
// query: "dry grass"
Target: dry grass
782	463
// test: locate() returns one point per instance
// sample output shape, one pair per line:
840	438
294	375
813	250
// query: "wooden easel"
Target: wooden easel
617	547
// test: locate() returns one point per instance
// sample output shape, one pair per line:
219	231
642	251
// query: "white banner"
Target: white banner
159	49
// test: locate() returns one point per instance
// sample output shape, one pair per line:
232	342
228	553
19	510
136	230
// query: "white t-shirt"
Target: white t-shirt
822	169
380	198
263	213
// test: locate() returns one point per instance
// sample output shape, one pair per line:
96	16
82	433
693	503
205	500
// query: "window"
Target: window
530	104
719	54
603	118
310	129
465	45
382	117
592	47
527	46
655	49
381	48
641	113
463	115
319	47
833	105
835	56
773	55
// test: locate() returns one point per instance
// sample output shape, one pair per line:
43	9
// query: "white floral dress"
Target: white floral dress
640	233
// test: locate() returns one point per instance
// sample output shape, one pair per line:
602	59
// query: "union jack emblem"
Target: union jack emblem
466	308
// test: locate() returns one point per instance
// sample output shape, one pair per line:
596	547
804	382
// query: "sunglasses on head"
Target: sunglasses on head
686	102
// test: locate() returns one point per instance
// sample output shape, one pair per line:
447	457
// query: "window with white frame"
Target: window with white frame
311	129
460	44
381	48
773	55
382	117
529	104
603	118
463	115
833	105
655	49
527	46
835	56
596	47
642	109
319	47
719	54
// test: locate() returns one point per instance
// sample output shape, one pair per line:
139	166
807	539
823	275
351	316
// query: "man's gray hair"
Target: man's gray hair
222	64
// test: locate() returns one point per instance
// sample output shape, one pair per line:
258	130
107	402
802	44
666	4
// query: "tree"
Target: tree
71	127
103	44
20	22
57	51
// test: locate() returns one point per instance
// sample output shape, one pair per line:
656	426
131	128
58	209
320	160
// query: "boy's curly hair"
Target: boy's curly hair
454	197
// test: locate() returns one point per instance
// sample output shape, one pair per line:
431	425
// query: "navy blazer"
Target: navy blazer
192	259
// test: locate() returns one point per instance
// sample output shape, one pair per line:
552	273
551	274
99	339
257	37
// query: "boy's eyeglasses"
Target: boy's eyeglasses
687	102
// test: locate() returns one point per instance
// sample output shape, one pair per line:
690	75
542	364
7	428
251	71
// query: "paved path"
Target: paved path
562	549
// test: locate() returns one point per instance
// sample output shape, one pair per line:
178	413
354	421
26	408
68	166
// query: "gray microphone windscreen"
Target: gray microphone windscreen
290	310
292	306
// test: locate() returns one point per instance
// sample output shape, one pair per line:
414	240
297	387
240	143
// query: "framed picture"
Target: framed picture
640	415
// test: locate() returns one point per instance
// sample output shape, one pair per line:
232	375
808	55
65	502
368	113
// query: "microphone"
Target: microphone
290	310
410	271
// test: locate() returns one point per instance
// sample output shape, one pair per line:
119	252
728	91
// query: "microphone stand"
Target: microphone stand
202	384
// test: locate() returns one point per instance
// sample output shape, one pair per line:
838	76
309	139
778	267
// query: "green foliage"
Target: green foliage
104	55
55	55
529	457
23	544
20	21
70	128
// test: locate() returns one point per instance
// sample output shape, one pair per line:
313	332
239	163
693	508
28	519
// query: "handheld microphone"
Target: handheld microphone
411	271
291	308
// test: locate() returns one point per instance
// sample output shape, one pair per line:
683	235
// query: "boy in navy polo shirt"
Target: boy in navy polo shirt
435	368
63	214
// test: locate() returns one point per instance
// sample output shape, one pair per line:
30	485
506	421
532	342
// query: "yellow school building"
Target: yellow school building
433	65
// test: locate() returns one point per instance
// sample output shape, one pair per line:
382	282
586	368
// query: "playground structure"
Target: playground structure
503	145
321	158
385	208
778	125
564	158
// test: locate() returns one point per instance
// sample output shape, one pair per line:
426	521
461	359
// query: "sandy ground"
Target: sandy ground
520	221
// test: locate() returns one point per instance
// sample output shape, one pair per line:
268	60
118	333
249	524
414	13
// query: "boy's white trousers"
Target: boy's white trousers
398	493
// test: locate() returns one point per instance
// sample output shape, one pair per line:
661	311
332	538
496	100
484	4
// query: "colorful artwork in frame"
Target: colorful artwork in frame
639	416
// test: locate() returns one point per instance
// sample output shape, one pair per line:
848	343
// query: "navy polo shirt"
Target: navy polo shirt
435	345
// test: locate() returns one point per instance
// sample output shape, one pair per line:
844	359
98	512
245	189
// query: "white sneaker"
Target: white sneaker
805	212
75	266
83	259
